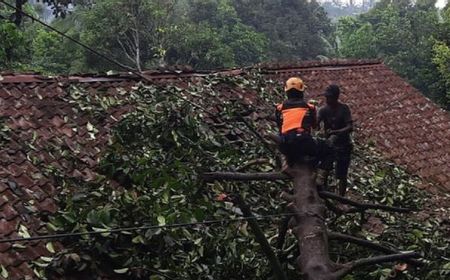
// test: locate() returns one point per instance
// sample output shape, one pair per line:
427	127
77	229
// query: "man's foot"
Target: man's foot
342	184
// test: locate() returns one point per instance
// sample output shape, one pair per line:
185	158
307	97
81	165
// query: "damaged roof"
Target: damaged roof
39	124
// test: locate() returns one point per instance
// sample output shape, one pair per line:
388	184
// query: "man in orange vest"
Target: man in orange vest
295	119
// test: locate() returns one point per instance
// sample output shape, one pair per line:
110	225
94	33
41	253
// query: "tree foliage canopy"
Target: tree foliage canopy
204	34
295	29
402	33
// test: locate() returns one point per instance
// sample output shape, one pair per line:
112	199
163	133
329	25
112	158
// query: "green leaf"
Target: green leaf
121	270
49	247
4	273
161	221
418	233
104	231
23	232
19	246
46	259
89	127
138	240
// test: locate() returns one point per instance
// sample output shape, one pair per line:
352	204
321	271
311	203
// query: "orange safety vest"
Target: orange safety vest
297	118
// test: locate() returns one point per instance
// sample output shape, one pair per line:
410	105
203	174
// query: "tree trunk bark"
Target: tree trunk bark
18	13
310	229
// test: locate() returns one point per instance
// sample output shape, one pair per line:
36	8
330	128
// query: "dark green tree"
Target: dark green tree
441	57
215	37
296	29
11	46
400	32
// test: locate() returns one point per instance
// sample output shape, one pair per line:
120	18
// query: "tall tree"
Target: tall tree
402	33
12	44
133	32
441	57
297	29
216	37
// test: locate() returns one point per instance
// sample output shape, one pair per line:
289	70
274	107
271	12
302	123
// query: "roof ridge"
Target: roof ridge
173	72
319	63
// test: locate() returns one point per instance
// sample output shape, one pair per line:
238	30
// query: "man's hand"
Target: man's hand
330	132
348	128
331	140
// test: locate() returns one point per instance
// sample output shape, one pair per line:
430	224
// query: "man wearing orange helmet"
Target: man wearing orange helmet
295	119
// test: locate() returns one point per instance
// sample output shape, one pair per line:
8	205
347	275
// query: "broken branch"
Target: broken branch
363	206
274	176
368	244
236	176
261	238
375	260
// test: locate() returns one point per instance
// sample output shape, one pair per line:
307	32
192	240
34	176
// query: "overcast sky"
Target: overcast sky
441	3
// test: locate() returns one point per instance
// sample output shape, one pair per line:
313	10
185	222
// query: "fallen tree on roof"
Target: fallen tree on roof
149	175
308	223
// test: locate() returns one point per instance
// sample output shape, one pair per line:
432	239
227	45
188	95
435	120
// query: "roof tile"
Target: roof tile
8	212
47	205
21	271
7	227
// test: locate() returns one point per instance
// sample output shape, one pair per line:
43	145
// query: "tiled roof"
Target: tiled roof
42	126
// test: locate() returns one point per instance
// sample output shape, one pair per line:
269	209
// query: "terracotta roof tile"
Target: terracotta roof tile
47	205
21	271
8	212
4	247
7	227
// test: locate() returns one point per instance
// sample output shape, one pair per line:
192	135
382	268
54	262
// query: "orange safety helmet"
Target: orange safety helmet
295	83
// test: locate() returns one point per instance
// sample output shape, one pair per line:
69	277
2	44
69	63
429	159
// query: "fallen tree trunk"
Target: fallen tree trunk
308	222
310	229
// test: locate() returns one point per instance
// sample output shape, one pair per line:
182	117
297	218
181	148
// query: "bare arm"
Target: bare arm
319	120
347	129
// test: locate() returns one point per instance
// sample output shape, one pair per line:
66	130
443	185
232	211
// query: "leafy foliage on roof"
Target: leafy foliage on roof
156	156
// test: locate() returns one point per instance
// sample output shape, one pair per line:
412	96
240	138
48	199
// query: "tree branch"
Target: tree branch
363	206
369	244
261	238
235	176
374	260
274	176
125	51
